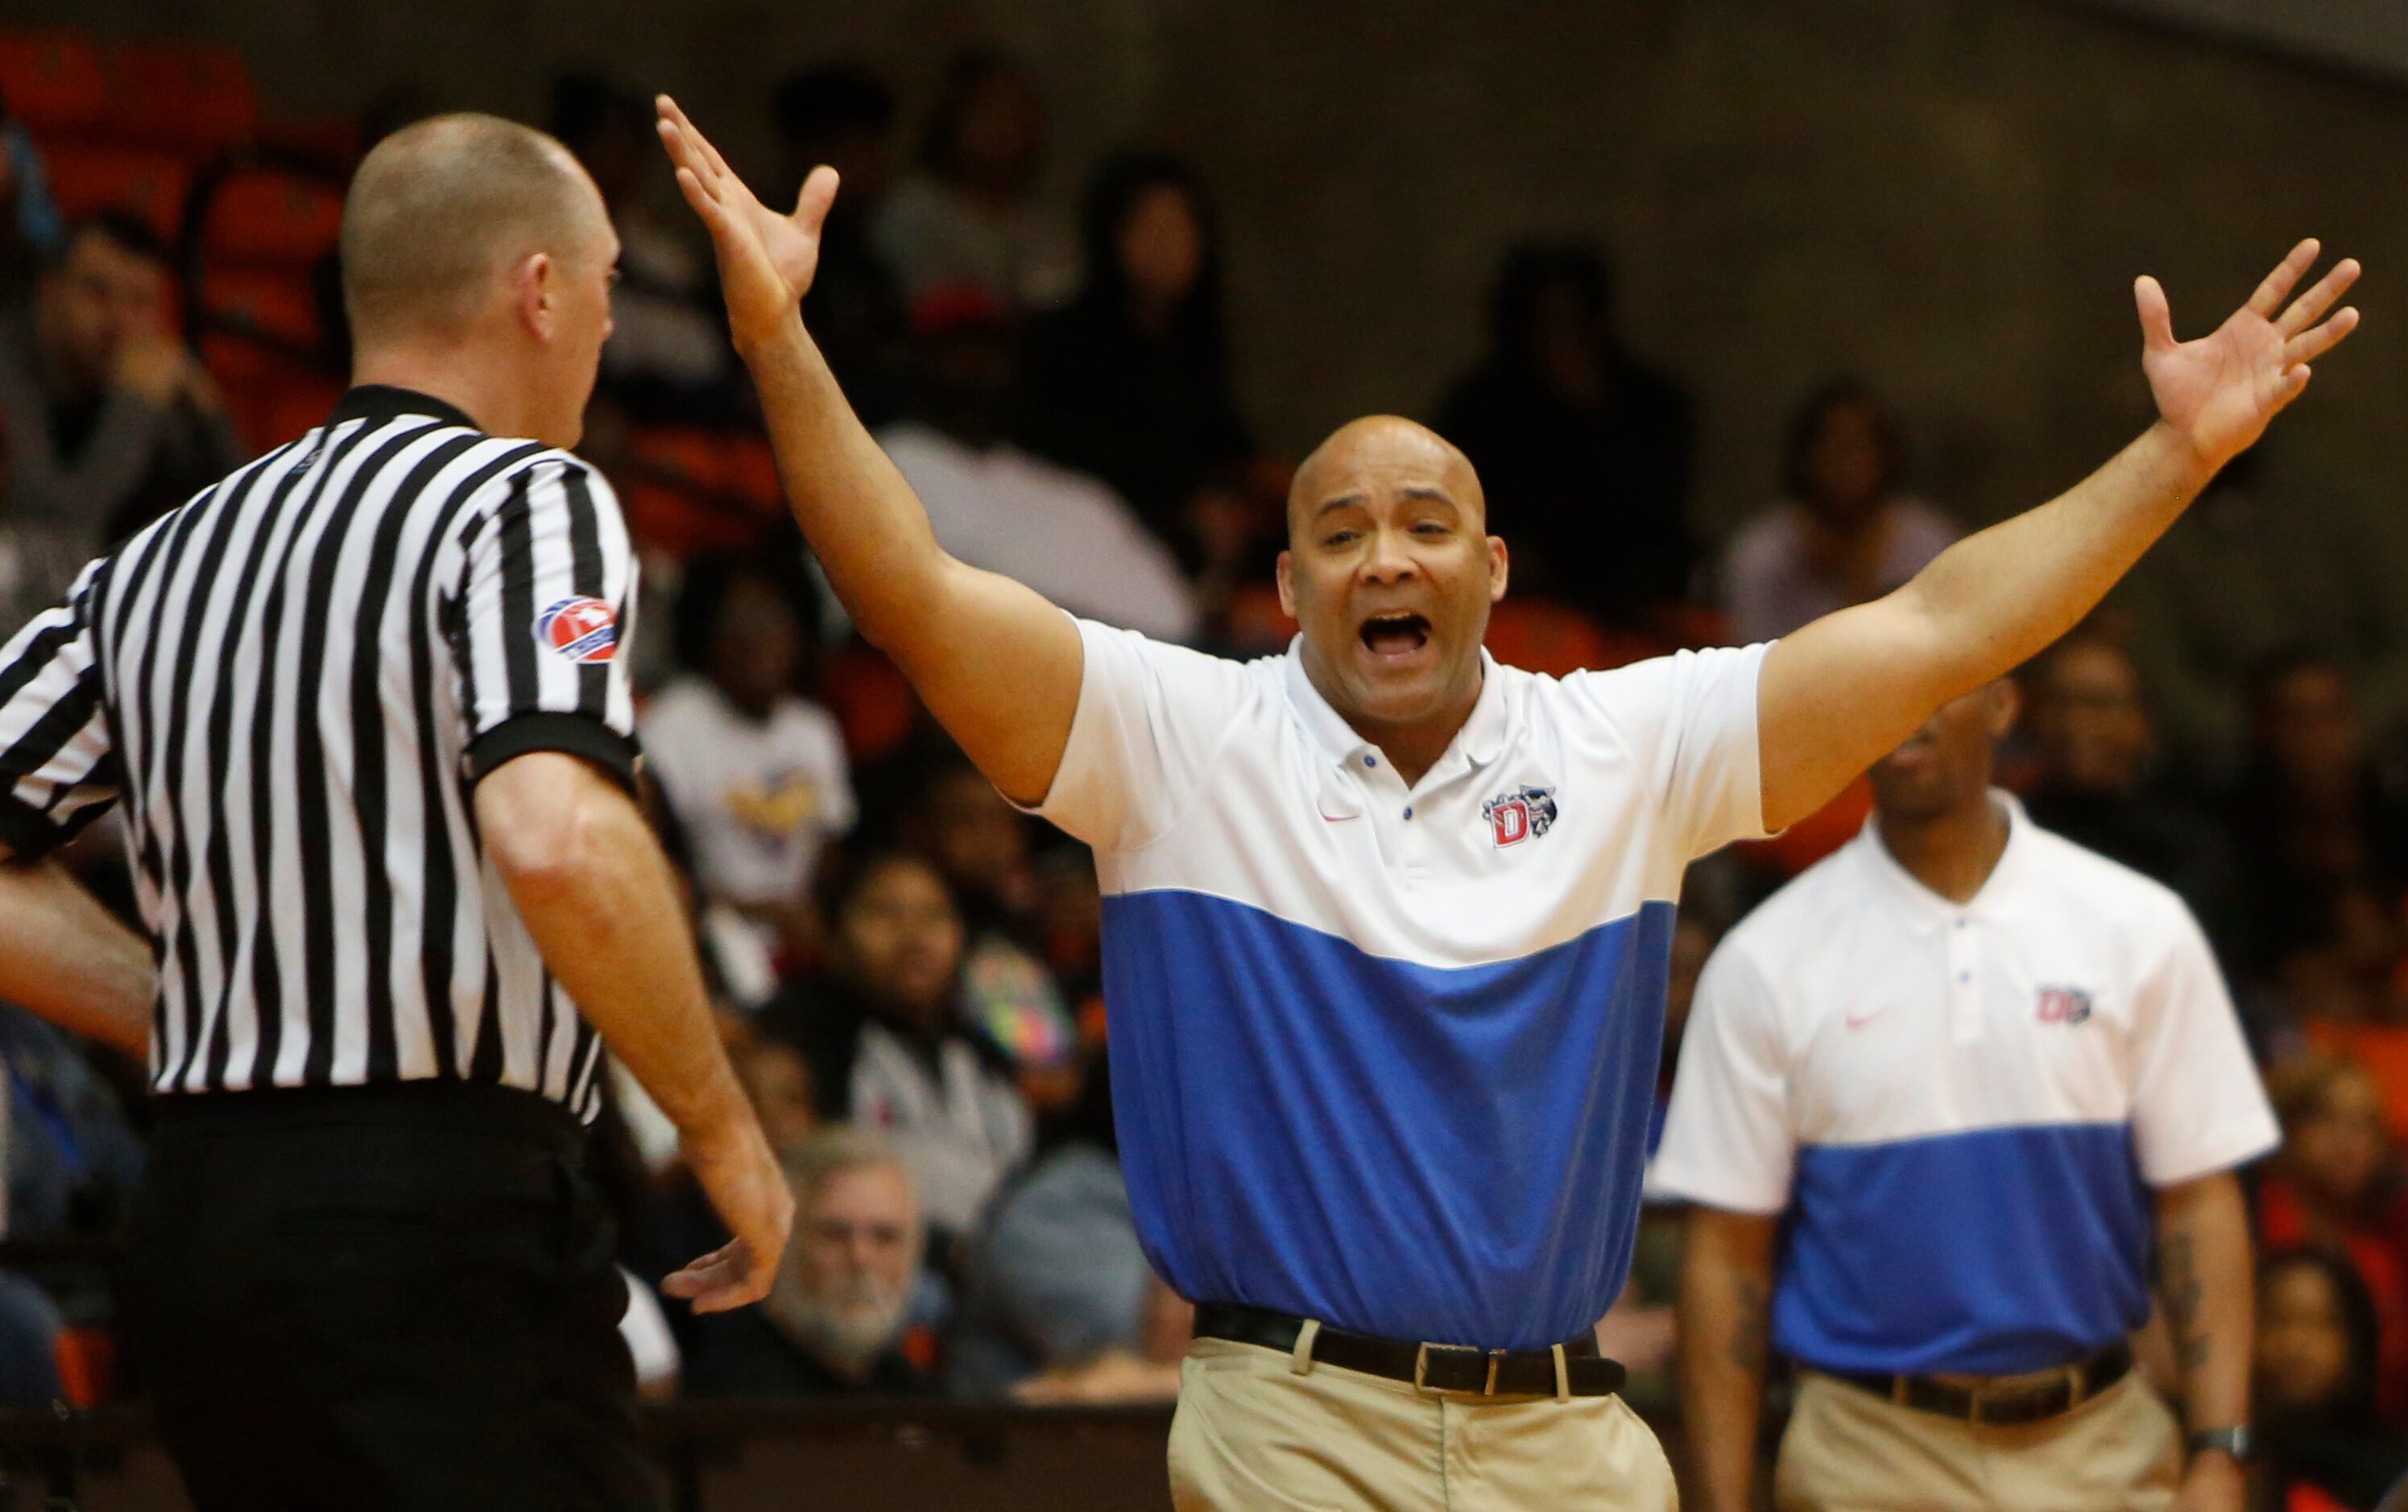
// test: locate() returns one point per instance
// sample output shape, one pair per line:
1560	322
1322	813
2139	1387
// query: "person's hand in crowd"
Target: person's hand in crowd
152	365
161	369
1115	1376
740	1175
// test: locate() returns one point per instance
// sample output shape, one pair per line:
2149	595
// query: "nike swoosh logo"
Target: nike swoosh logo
1857	1021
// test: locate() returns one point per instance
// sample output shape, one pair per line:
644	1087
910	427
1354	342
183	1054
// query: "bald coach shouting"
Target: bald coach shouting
365	708
1386	924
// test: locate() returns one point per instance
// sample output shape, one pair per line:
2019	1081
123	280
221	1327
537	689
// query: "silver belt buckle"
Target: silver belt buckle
1421	1365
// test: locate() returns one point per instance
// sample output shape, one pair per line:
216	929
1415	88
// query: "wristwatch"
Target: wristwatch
2237	1441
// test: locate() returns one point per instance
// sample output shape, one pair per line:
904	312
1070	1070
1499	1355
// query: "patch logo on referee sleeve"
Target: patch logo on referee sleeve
582	629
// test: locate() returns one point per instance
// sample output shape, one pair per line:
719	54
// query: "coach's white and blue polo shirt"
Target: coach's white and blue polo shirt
1383	1057
1959	1107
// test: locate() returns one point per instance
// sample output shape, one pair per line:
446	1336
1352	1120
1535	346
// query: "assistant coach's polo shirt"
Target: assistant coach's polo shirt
1382	1057
1960	1107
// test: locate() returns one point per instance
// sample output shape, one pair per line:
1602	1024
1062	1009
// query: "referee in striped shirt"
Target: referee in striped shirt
363	707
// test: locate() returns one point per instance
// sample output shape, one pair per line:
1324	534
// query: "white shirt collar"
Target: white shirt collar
1926	910
1481	740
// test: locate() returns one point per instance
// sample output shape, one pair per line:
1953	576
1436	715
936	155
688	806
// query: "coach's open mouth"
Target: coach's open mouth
1396	636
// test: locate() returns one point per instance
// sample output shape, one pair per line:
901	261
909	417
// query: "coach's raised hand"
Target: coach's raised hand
766	260
2219	392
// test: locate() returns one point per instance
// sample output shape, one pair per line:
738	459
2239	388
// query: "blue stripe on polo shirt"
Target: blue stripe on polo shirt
1421	1152
1991	1252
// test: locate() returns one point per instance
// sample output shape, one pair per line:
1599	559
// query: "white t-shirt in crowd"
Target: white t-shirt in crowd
1064	534
758	799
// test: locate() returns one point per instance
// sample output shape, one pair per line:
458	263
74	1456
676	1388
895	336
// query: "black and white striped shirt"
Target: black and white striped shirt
292	686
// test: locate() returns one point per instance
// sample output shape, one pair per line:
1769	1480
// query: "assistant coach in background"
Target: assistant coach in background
1941	1101
364	706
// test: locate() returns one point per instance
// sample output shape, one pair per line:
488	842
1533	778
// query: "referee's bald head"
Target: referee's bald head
442	211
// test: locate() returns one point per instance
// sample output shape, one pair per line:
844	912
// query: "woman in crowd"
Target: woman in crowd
2337	1185
970	217
1846	531
1131	381
882	1027
2326	1443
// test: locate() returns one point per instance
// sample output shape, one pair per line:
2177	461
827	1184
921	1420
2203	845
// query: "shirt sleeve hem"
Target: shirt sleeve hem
573	735
1679	1189
2215	1158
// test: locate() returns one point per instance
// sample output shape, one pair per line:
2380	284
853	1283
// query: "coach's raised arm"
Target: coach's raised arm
1845	690
997	663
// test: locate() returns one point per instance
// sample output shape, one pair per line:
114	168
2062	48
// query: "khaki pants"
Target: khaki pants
1253	1435
1848	1450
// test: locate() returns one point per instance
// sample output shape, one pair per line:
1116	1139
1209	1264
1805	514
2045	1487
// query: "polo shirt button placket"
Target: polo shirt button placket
1964	983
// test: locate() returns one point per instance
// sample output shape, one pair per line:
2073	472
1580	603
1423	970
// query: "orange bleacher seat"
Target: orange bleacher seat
269	302
196	95
268	214
53	80
700	491
86	177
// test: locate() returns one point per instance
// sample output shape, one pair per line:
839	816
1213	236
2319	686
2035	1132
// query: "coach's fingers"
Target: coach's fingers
818	194
701	144
2310	307
2310	344
2156	317
716	218
2267	300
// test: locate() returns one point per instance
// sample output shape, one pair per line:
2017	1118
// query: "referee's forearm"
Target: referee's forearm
598	898
68	958
868	529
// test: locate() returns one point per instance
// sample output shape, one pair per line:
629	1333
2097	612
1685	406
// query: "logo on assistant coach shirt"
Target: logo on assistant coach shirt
1521	815
2066	1005
584	630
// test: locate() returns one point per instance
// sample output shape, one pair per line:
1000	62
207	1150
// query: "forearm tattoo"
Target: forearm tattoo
2178	1284
1749	1329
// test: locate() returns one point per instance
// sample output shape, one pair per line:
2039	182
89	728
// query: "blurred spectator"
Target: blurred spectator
73	1158
969	216
753	773
2095	782
2319	833
882	1029
777	1082
2316	1409
1844	533
30	1328
835	1321
31	228
844	116
2246	575
980	845
994	506
1584	454
2337	1184
1131	382
1056	1281
668	355
110	421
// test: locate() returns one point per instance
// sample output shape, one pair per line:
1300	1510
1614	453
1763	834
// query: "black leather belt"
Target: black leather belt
1431	1367
2037	1403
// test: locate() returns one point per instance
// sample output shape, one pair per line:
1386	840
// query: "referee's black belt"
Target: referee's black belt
2001	1405
1580	1371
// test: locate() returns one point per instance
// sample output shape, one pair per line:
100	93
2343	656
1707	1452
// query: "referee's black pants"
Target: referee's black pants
394	1299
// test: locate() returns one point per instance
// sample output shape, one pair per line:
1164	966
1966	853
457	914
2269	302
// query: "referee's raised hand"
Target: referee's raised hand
766	260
